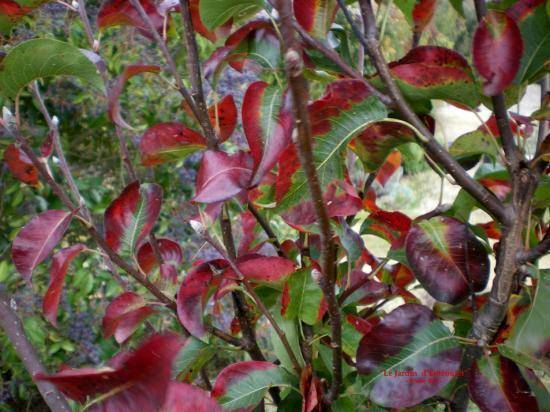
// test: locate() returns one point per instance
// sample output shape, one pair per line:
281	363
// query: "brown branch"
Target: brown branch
267	229
537	251
13	328
369	40
299	89
203	121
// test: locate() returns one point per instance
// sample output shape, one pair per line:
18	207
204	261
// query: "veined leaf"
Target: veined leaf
39	58
305	297
131	216
37	239
214	13
123	316
244	384
344	111
529	342
170	251
191	357
407	342
315	16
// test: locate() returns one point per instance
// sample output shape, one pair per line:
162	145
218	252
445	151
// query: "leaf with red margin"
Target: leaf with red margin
373	145
498	183
311	389
407	339
248	223
432	72
166	142
533	20
11	12
262	269
114	93
60	264
138	382
496	384
370	291
446	258
422	13
491	229
303	299
37	239
390	226
266	126
315	16
195	289
244	384
497	51
183	397
344	111
223	116
122	13
20	165
361	325
222	176
400	274
170	251
131	216
123	316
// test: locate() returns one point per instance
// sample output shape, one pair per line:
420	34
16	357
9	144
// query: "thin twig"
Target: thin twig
267	229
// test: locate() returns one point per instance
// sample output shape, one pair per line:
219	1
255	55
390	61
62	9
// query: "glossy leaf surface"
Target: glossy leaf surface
244	384
131	216
445	257
136	381
44	58
58	270
123	316
36	240
407	341
497	51
264	269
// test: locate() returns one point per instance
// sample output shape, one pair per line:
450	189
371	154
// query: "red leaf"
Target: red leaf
497	51
37	239
391	226
20	165
315	16
388	168
265	269
121	12
165	142
446	257
60	264
194	291
266	125
131	216
170	251
248	223
222	176
250	31
183	397
233	373
422	13
114	93
123	316
491	229
496	384
138	382
311	389
371	290
223	116
361	325
46	148
500	187
387	339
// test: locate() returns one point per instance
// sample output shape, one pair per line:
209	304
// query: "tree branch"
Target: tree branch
370	41
267	229
299	89
535	252
10	323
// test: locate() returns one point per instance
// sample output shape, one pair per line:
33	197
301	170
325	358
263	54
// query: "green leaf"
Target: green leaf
528	342
305	297
214	13
474	143
39	58
191	357
291	332
329	147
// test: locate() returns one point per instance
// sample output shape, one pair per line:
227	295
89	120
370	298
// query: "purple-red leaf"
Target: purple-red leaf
496	384
183	397
60	264
114	93
165	142
123	316
20	165
194	291
315	16
263	269
121	12
131	216
37	239
223	116
446	258
396	352
497	51
138	382
170	251
391	226
422	13
222	176
266	126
